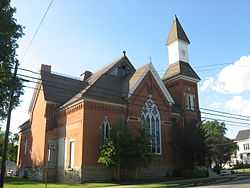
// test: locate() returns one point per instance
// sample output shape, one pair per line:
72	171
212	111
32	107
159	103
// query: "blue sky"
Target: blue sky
87	34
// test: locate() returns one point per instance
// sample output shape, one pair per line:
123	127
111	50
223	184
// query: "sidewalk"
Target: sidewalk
186	182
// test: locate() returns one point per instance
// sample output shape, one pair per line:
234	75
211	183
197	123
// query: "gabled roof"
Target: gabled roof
24	126
243	134
57	88
177	32
139	75
180	68
98	88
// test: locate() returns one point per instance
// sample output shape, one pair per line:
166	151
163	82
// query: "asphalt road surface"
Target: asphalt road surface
232	184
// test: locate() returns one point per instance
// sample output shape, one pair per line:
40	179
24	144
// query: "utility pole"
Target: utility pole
6	137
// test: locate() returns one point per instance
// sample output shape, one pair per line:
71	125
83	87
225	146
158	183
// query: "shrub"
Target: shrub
196	172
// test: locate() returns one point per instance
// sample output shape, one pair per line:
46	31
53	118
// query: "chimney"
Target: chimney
46	68
84	76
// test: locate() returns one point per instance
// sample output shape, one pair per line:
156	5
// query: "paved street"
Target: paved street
232	184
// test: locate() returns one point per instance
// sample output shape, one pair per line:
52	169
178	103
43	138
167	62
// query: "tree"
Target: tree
220	147
12	146
189	144
125	150
10	32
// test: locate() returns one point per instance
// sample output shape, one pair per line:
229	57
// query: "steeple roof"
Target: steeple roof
180	68
177	32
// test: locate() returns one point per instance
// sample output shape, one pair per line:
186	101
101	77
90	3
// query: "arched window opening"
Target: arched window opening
151	122
105	129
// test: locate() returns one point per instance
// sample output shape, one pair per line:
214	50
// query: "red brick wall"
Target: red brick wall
24	160
94	115
149	87
178	88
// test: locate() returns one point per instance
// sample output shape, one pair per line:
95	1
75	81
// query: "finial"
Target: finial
150	59
124	53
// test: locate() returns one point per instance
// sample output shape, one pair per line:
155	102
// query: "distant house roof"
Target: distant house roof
177	32
243	134
180	68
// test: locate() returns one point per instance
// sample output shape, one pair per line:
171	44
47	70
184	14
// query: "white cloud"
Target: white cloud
215	105
233	79
239	105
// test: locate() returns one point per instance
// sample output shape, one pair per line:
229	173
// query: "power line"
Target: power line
229	123
222	112
112	94
225	116
108	91
37	29
235	122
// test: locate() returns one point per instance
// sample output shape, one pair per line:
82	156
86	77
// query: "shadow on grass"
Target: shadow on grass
25	182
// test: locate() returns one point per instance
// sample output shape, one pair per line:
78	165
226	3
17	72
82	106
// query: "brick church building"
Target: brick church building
70	117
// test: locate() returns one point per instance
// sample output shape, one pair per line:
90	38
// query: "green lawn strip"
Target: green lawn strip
18	183
185	182
246	170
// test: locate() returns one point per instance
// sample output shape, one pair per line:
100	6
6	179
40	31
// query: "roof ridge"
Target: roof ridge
177	32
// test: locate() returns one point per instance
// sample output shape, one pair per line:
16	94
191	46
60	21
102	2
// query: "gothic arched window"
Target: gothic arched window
151	122
105	129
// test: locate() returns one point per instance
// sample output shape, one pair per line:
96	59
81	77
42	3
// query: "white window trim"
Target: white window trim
67	157
190	101
25	145
104	125
154	117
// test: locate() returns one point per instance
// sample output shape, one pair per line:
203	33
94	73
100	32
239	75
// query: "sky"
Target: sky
84	35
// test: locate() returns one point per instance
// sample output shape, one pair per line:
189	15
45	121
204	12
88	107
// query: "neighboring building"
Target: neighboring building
70	117
243	153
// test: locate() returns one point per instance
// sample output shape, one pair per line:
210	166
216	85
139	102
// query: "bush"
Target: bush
197	172
177	172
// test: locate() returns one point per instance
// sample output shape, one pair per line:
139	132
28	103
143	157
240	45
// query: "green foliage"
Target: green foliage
10	32
220	147
189	144
107	154
124	150
196	172
12	147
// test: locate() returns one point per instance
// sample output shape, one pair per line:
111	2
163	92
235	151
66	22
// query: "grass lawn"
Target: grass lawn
20	183
244	170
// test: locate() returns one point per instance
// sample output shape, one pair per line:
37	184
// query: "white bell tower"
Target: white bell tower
177	43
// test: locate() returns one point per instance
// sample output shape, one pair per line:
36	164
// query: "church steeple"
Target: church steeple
177	32
177	43
178	58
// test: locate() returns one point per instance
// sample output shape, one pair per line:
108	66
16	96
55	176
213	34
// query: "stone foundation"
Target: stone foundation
92	174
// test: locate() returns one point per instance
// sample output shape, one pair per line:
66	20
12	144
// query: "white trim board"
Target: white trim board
150	68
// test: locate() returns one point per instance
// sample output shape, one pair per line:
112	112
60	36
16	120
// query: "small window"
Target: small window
71	154
190	102
25	145
105	129
246	146
120	71
52	153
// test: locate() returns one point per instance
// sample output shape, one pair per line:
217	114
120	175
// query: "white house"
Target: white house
243	142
